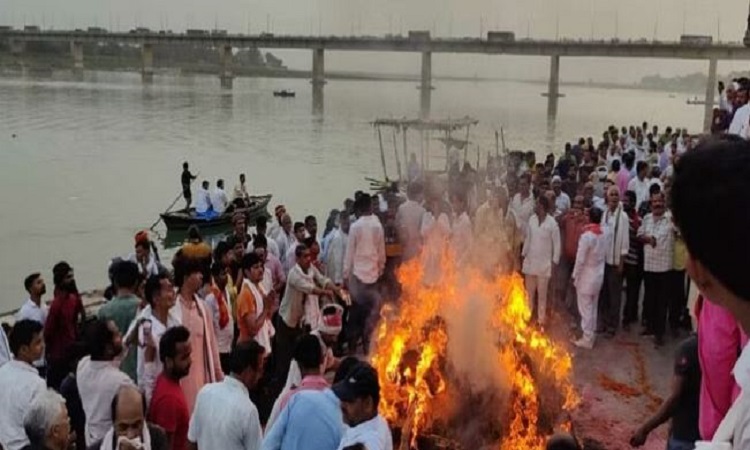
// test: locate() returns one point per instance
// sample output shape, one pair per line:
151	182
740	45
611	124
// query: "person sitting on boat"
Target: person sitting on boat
240	197
203	200
186	179
219	198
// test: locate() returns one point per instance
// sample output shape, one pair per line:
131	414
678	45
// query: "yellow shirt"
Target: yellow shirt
679	256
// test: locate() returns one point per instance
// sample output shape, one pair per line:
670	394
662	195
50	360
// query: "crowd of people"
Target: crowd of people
209	349
253	344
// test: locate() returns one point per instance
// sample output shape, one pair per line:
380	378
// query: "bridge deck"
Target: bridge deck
622	49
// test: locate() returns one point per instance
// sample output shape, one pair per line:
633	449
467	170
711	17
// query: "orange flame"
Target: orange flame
412	352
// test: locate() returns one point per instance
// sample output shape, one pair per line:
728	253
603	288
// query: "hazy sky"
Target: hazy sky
663	19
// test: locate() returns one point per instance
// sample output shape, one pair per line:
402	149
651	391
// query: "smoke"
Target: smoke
472	346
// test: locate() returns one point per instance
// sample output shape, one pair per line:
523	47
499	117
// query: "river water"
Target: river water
94	161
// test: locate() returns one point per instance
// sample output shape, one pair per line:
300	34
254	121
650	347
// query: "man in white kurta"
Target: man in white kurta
588	275
541	249
336	250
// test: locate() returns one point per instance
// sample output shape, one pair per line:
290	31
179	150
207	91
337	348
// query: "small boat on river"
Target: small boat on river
284	94
182	220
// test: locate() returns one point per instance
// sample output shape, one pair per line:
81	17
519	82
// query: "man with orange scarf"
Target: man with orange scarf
218	301
588	276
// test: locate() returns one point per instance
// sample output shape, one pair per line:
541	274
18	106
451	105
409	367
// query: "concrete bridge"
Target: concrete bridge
419	42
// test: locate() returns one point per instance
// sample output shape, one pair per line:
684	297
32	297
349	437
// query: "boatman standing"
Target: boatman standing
187	178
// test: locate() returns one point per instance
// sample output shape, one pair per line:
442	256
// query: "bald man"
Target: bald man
129	428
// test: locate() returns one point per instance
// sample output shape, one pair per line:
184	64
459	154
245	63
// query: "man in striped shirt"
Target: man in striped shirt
657	235
633	262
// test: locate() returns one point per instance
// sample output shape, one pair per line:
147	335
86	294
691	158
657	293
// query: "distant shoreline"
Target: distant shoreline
39	70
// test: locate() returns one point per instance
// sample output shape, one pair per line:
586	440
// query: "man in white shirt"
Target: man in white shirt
224	416
219	198
275	227
304	284
742	112
98	377
522	205
261	228
359	393
20	382
562	200
160	296
34	308
240	191
336	250
657	234
640	184
285	236
541	250
218	300
709	204
5	354
363	265
290	260
203	199
616	227
588	276
409	221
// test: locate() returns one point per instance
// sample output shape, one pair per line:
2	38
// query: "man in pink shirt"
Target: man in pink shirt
196	317
623	174
720	340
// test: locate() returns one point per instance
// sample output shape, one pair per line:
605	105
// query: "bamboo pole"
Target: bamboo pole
502	136
398	159
466	148
497	144
406	158
382	154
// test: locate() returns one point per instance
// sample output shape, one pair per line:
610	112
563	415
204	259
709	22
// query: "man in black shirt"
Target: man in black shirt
683	403
187	178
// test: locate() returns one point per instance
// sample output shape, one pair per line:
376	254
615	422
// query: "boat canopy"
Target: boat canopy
427	124
424	127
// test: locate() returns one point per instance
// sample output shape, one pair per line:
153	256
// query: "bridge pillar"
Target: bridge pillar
318	80
17	49
708	108
226	74
147	63
553	91
425	87
76	49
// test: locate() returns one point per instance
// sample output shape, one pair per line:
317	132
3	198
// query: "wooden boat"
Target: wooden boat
697	101
182	220
284	94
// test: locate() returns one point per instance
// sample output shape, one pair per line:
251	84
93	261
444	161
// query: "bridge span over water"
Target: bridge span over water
422	44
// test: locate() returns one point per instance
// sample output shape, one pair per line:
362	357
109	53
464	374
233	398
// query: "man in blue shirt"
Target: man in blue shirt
311	419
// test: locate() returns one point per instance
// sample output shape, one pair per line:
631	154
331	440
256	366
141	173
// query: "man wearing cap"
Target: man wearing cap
359	394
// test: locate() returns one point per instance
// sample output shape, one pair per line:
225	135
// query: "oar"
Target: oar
179	196
171	206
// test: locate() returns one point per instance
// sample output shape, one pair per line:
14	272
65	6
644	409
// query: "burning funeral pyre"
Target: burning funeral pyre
461	365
